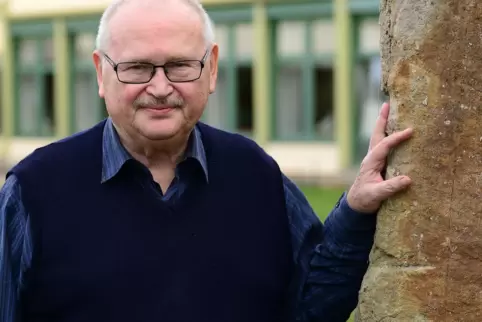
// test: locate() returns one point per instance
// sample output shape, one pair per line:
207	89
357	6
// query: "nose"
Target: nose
159	86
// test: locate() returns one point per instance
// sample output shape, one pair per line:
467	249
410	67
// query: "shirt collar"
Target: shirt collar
114	155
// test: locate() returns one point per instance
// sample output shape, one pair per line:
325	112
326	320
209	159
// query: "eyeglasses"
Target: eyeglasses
181	71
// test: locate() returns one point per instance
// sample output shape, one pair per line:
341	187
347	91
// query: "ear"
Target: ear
213	68
98	59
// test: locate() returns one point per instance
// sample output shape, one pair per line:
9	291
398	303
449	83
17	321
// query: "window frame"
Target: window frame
360	14
74	28
228	65
2	90
39	31
307	62
231	18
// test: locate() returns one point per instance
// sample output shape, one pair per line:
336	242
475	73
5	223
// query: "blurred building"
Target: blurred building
300	77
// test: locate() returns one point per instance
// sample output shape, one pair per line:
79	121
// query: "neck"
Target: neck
155	154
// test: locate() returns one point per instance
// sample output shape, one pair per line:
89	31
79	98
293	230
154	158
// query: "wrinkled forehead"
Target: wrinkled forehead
156	30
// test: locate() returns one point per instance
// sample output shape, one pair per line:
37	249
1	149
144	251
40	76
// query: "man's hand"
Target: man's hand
370	189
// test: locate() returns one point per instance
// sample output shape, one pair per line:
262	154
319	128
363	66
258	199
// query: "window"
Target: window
369	95
324	118
304	80
244	111
289	109
231	106
244	50
88	107
1	100
217	111
35	92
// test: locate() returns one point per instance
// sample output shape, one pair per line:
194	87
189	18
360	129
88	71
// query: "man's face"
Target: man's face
159	109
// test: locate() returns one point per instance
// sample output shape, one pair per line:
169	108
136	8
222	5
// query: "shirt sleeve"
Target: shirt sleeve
14	247
331	258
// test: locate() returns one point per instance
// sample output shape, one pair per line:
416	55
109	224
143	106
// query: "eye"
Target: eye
137	67
179	64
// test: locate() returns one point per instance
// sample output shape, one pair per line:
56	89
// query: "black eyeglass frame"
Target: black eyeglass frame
164	67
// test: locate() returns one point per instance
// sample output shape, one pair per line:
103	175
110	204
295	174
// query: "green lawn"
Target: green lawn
323	200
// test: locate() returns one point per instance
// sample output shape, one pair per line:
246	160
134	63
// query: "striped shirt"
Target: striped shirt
330	258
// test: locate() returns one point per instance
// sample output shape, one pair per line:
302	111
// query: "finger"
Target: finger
388	188
380	152
380	126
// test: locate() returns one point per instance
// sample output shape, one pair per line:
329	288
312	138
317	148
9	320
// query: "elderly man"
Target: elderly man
152	215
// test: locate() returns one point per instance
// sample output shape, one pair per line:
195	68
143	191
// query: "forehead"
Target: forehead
156	30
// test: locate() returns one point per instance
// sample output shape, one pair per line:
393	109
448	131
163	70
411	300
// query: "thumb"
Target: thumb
388	188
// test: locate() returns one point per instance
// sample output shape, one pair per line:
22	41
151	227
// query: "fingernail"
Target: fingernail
405	180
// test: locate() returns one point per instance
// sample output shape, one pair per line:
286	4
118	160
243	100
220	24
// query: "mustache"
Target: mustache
172	102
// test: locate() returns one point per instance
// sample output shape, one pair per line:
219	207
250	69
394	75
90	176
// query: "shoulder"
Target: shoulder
234	145
12	211
10	194
75	143
15	247
76	147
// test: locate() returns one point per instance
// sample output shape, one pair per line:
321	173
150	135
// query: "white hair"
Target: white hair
103	32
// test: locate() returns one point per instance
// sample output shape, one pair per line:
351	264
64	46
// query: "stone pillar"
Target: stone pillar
426	263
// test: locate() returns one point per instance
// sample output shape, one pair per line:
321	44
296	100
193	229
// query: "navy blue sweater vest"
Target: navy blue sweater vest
114	252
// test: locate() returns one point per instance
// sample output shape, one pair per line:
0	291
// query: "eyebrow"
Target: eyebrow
170	58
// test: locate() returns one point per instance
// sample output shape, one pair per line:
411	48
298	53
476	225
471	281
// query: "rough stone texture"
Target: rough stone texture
426	263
